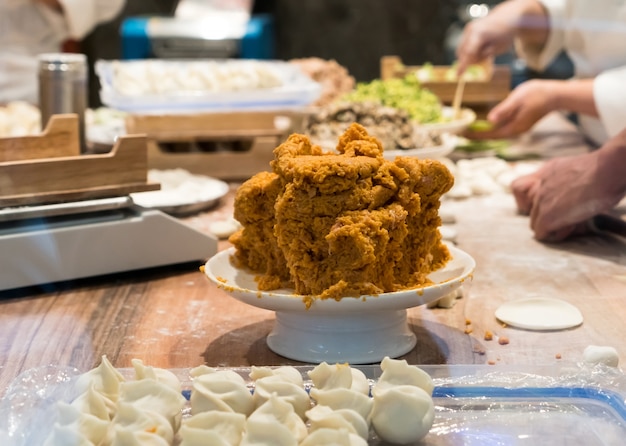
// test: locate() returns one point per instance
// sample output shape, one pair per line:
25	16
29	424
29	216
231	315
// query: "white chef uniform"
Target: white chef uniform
593	34
29	28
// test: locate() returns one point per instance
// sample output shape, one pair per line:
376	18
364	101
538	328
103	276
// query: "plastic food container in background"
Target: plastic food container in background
164	85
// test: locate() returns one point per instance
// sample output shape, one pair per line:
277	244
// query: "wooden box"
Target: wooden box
49	167
478	95
228	146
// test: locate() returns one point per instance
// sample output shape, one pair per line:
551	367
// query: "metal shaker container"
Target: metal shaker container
63	87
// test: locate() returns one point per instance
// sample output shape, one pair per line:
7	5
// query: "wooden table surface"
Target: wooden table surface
173	317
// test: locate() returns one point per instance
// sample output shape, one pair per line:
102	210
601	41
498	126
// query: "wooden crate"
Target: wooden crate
49	167
478	95
257	134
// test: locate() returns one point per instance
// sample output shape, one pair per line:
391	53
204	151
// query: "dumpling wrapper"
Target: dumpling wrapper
539	313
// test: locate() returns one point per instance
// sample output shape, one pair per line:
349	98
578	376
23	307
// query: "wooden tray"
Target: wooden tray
49	168
258	133
477	94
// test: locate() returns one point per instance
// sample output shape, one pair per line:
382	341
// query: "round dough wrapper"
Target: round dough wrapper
539	313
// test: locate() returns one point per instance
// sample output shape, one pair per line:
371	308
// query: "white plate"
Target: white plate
448	144
539	313
450	124
357	330
181	193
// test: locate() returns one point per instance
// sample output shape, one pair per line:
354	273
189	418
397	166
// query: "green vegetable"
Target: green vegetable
480	125
422	105
497	147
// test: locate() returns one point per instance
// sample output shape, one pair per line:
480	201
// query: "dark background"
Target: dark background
355	33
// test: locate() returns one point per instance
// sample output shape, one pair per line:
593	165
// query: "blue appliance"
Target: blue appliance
173	38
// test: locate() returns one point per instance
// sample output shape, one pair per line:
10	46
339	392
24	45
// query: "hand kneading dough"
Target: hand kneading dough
403	414
598	354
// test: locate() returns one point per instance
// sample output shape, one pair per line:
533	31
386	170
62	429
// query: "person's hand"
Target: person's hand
516	114
564	193
492	35
52	4
524	190
484	38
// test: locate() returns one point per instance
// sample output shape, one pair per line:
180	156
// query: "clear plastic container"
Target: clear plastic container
474	405
295	89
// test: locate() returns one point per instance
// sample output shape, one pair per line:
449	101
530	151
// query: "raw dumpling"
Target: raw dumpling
325	376
294	394
402	414
67	435
398	372
192	436
288	373
222	390
125	437
105	378
202	370
95	403
275	423
132	418
93	428
343	399
161	375
152	395
223	428
359	382
335	437
324	417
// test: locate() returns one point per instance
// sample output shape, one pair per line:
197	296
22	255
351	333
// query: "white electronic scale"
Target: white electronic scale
49	243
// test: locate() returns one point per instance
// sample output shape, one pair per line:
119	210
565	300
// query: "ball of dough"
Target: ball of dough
597	354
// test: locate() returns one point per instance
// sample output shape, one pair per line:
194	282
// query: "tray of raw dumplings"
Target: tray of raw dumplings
338	404
210	85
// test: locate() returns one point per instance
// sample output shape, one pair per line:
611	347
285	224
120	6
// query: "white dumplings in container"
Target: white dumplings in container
324	417
275	422
338	406
403	410
222	390
336	437
403	414
214	428
105	379
294	394
325	376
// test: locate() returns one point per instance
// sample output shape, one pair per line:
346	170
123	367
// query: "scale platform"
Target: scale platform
58	242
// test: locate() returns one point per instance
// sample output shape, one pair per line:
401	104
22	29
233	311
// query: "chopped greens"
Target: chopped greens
422	105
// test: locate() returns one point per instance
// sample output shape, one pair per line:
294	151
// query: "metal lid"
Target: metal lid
62	62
